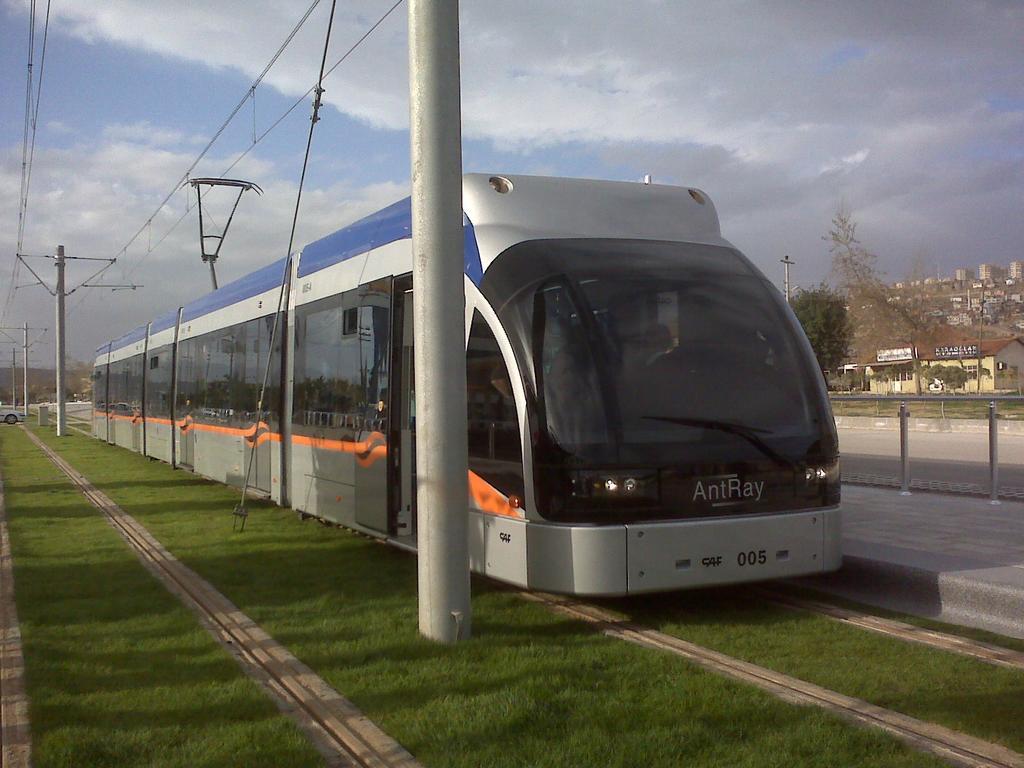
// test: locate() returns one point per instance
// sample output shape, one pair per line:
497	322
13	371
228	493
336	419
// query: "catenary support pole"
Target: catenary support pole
439	320
61	415
14	378
24	369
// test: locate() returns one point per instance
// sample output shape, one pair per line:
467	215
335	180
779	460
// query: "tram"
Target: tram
644	410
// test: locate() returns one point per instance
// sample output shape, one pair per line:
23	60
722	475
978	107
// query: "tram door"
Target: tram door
402	459
373	324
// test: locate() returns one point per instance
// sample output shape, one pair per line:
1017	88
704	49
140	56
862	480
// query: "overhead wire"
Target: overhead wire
276	123
189	208
227	121
286	270
27	167
24	156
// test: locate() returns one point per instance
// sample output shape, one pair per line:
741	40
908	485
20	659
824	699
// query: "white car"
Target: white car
10	416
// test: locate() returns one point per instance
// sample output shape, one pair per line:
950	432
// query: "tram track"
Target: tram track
354	740
900	630
957	748
343	735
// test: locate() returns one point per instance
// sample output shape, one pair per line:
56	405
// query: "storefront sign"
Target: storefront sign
954	352
895	355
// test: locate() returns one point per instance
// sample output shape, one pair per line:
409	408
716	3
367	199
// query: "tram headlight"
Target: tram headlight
824	477
597	484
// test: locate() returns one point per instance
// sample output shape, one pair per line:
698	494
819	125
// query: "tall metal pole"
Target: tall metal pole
61	416
24	368
787	261
993	453
904	450
438	319
14	378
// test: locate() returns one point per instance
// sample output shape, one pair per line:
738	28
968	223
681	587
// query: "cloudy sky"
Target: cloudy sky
911	113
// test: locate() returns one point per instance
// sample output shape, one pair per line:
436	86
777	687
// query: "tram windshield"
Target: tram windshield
646	353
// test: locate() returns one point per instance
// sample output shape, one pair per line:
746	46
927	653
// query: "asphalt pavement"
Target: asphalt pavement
954	461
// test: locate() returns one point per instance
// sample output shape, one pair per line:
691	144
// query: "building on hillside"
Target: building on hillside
1002	365
989	273
1017	270
963	274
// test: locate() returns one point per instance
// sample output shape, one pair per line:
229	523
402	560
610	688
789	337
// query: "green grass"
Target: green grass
971	633
529	689
118	672
930	684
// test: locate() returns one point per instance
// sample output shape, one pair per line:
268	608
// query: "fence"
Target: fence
992	402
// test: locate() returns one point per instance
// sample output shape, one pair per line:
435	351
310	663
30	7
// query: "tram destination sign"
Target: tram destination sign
956	351
895	355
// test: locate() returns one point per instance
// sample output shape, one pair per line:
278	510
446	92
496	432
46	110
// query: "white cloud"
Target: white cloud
144	132
92	197
779	109
847	162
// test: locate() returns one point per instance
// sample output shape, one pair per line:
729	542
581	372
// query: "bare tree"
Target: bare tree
878	313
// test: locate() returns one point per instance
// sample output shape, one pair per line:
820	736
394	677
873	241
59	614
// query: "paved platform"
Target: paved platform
944	556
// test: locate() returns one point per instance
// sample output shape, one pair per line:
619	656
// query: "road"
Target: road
935	457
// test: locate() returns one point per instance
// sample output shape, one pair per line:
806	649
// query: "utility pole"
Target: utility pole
788	262
60	292
62	424
25	346
24	368
439	320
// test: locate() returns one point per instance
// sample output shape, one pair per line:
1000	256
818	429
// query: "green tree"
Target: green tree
822	313
953	377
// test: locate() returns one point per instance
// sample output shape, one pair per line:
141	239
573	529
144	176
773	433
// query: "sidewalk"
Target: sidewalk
943	556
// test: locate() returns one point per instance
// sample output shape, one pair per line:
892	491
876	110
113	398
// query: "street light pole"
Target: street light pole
439	320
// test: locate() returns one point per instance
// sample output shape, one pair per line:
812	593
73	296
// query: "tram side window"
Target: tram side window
126	386
495	451
342	352
99	388
220	375
158	383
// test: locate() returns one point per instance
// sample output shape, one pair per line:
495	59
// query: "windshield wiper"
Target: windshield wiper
750	434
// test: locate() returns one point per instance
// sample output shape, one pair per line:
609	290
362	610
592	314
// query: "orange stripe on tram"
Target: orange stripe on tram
367	452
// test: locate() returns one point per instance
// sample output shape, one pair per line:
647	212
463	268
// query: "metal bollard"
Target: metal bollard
904	449
993	453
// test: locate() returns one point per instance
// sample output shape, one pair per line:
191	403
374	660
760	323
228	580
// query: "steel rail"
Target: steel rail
256	648
957	748
975	649
343	734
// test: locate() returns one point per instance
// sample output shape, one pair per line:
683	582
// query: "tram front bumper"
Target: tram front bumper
658	557
663	556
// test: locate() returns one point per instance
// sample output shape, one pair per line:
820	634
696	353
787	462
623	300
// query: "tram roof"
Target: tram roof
164	321
133	336
245	287
532	207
